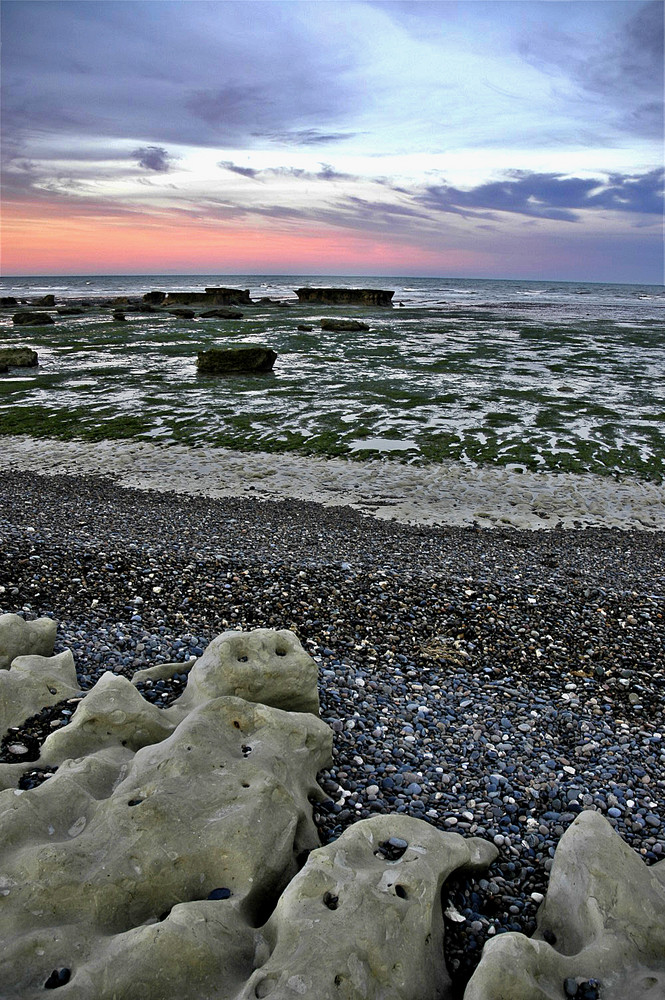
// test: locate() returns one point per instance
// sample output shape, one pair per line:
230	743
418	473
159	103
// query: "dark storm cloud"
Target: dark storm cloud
153	158
551	196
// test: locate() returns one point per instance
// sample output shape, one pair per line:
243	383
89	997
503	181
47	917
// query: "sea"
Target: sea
528	377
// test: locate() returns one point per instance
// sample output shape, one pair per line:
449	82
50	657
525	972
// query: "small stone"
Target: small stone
222	893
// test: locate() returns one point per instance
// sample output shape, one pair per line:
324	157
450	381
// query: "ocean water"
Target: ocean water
528	376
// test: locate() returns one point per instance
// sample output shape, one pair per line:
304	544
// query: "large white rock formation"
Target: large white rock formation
167	856
172	855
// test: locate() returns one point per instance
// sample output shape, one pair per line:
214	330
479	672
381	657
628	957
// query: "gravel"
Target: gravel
492	682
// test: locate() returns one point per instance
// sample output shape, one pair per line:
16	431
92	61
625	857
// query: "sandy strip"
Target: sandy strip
447	494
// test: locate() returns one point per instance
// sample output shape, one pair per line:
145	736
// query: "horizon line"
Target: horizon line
322	274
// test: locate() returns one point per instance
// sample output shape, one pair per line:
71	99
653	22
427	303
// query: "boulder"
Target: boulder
343	324
232	360
282	674
146	864
119	317
182	313
33	682
154	298
304	327
46	300
346	296
18	357
27	318
70	311
21	638
172	853
8	300
363	919
603	919
221	314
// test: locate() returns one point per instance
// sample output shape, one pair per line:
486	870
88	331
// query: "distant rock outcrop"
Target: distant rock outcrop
182	313
221	314
27	318
346	296
343	324
233	360
210	297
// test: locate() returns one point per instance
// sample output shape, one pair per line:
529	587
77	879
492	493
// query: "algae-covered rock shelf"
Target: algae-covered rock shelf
171	853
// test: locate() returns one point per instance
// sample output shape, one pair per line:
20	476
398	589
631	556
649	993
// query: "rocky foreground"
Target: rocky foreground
494	683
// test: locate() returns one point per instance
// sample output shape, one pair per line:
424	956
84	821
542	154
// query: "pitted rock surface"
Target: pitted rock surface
33	682
21	638
173	853
603	919
358	925
143	867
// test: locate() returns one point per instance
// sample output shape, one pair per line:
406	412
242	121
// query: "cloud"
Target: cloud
326	173
193	73
618	71
153	158
306	137
551	196
235	169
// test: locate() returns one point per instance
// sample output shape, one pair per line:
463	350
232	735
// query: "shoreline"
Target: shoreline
446	495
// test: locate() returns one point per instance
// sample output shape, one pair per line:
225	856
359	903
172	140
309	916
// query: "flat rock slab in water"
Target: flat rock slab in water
225	361
347	296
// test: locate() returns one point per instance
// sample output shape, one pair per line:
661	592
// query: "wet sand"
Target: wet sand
449	494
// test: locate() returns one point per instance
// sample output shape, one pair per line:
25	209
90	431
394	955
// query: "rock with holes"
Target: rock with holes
21	638
602	923
264	665
33	682
363	919
145	873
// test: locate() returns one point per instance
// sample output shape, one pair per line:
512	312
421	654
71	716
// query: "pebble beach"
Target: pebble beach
494	681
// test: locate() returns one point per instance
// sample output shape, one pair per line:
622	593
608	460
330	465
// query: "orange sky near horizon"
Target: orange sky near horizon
38	238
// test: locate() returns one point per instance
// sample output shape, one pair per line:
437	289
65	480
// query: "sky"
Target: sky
476	138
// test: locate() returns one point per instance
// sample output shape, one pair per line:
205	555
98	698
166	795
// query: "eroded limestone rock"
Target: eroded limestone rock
264	665
144	866
603	918
32	683
363	919
21	638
